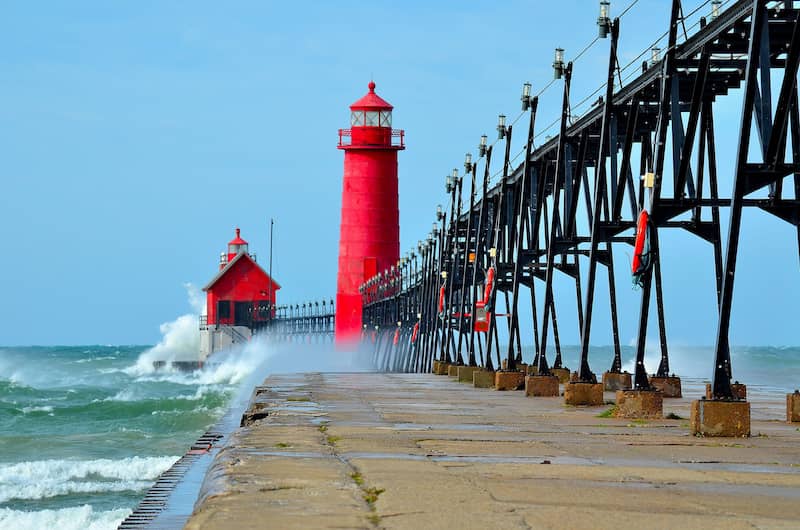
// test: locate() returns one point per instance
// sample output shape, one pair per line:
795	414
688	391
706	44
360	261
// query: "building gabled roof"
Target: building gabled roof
230	265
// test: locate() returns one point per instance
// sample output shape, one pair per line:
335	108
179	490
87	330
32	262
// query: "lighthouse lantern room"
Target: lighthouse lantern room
240	299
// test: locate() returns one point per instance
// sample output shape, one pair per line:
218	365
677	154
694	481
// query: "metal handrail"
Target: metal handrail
345	137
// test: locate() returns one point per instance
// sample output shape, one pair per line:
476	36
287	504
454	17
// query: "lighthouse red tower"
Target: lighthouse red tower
369	239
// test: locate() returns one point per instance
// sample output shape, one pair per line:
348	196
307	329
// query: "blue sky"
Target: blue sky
138	135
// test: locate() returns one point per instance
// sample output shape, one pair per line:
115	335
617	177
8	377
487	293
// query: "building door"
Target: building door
242	313
223	311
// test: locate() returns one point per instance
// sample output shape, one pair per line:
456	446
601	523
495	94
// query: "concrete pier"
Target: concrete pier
669	386
509	380
583	394
483	379
613	381
541	385
408	451
465	373
720	418
639	404
563	374
739	390
793	407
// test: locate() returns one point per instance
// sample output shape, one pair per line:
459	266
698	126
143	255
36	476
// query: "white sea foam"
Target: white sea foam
76	518
126	394
131	394
45	408
92	359
49	478
180	341
228	367
180	338
201	392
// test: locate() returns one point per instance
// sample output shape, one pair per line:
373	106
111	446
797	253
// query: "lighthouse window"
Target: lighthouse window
357	118
372	119
386	119
237	249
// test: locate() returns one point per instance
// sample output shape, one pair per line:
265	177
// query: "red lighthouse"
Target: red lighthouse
369	238
240	299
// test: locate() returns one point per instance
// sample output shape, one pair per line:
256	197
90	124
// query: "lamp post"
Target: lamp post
532	103
526	96
558	64
604	21
482	146
715	5
655	55
501	126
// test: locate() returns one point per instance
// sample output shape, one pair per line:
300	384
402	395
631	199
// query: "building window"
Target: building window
386	118
223	309
357	118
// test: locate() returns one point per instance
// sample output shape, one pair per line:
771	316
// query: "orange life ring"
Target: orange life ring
487	290
641	249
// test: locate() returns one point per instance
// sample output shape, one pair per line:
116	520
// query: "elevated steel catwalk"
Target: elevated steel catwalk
575	196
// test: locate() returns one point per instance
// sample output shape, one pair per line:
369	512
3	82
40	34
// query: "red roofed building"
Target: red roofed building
239	299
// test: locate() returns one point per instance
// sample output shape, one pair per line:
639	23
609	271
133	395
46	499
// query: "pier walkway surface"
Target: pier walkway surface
414	451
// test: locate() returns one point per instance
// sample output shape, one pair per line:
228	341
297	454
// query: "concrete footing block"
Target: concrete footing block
577	393
563	374
518	367
483	379
720	418
541	385
435	368
509	380
639	404
669	386
443	368
452	370
465	373
739	390
613	381
793	406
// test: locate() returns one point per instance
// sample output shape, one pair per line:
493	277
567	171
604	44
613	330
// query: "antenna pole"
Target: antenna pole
271	225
